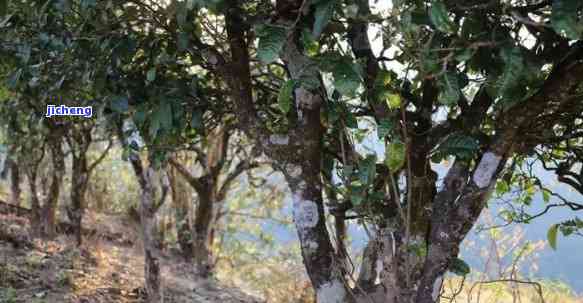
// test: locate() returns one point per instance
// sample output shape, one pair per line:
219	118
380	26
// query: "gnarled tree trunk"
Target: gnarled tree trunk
302	172
148	178
79	183
210	192
149	229
43	217
297	153
79	142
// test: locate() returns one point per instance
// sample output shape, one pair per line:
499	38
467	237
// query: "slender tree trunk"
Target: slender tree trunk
15	183
79	182
50	205
201	231
181	200
146	177
35	214
149	231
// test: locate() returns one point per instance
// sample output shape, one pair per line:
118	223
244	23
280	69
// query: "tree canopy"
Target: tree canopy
492	86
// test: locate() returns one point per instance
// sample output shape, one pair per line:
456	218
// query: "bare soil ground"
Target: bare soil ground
99	271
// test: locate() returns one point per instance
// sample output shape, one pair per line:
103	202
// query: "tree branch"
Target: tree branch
101	157
192	180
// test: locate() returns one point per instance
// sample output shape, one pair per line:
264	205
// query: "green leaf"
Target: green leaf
346	72
512	74
165	112
119	104
347	171
546	196
394	101
324	9
385	128
285	96
438	14
271	40
87	3
420	17
552	236
154	124
430	64
367	169
419	249
3	7
181	13
357	195
346	77
395	155
461	146
564	18
350	120
183	41
459	267
196	120
449	89
502	187
151	75
140	116
311	45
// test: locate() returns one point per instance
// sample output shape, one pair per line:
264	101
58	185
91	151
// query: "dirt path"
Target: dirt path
99	272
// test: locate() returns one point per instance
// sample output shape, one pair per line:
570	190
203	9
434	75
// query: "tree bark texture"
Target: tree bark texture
181	199
302	172
49	208
209	192
79	183
149	230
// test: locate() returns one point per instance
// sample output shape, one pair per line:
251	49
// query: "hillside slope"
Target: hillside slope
101	271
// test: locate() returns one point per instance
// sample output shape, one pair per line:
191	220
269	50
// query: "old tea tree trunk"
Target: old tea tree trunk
418	223
79	140
211	187
148	178
209	194
297	152
43	216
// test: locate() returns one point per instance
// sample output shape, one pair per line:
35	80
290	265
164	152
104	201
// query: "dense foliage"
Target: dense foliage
494	86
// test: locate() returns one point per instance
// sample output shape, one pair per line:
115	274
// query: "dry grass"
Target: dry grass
507	292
